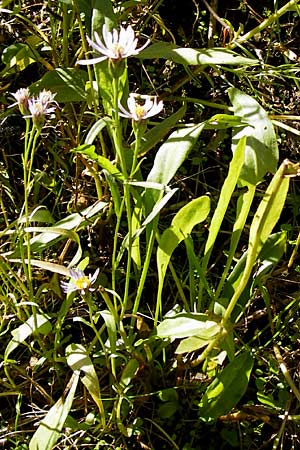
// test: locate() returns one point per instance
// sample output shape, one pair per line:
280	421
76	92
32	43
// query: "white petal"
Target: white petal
107	36
130	48
123	112
98	47
122	37
156	109
148	104
115	37
131	104
87	62
143	46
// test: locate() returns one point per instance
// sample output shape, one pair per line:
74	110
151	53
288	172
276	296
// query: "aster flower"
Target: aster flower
22	97
79	282
40	107
46	97
141	111
115	45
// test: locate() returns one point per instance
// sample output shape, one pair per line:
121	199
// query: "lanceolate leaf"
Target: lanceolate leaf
261	153
35	324
227	388
159	131
195	212
51	426
169	158
79	360
191	56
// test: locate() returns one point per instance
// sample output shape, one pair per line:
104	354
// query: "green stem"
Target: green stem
117	135
144	271
30	145
246	201
269	21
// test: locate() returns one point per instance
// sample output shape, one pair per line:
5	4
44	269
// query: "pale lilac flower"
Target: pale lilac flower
46	98
115	45
22	97
141	111
79	282
40	107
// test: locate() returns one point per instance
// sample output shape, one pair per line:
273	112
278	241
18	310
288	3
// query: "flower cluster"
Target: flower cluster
80	282
141	107
35	107
115	46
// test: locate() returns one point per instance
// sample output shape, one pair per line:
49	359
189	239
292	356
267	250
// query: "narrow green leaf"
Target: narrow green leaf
261	152
45	265
268	211
89	151
227	388
224	199
193	213
159	131
129	372
169	158
96	129
51	235
35	324
111	327
79	360
39	214
51	426
223	121
191	56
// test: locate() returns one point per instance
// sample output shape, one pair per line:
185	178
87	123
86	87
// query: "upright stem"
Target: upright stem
30	144
117	135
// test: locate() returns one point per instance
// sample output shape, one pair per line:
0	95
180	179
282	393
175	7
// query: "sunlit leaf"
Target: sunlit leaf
170	157
35	324
51	426
261	153
17	55
96	129
193	213
191	344
188	324
227	388
191	56
129	372
224	199
79	360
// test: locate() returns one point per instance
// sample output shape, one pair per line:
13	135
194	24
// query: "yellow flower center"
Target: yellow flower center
83	283
139	111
